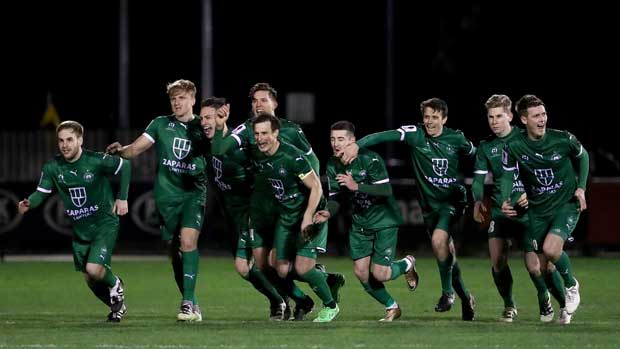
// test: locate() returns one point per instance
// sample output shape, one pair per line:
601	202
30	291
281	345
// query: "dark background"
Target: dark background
461	52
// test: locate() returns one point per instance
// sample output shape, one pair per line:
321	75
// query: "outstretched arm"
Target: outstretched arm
136	148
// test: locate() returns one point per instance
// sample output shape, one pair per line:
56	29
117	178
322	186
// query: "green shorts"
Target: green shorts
187	214
263	216
561	223
99	249
288	242
378	243
443	218
237	212
508	228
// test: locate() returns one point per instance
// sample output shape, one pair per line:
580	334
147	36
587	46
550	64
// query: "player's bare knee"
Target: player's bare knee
242	267
381	273
361	274
95	271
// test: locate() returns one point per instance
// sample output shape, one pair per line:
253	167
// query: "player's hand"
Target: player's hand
508	209
522	201
23	206
320	217
581	196
479	210
114	148
346	180
120	207
222	116
349	153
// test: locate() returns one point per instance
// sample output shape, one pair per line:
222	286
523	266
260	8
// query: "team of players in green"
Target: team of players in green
267	182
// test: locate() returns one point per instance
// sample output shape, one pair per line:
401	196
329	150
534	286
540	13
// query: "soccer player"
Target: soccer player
376	217
297	189
435	153
80	177
555	191
263	205
230	176
180	186
502	228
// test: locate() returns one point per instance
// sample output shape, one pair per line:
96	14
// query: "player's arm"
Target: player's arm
477	186
121	207
350	152
583	168
221	144
44	189
312	182
141	144
506	179
333	205
379	179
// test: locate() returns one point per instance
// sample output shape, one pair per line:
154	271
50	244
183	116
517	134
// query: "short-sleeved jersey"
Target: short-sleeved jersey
489	159
436	163
369	211
181	166
545	168
284	172
83	187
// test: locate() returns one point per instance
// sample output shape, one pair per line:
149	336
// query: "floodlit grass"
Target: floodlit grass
47	305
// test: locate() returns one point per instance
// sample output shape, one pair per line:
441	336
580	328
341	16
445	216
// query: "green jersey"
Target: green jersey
181	166
84	189
435	161
545	168
489	159
284	172
229	173
369	211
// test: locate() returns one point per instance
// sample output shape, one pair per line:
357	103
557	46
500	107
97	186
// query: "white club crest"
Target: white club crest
544	176
181	147
78	196
440	166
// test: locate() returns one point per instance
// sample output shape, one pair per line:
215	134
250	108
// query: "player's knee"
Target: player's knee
242	268
188	244
95	272
283	269
552	252
382	274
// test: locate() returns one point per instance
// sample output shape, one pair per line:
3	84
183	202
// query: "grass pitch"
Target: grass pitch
48	305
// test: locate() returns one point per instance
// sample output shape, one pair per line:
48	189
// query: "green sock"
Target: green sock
377	290
262	285
503	282
556	287
563	265
457	282
398	268
108	278
190	274
541	288
318	282
445	273
100	290
285	286
177	266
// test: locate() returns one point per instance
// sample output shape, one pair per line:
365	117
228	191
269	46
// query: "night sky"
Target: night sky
337	50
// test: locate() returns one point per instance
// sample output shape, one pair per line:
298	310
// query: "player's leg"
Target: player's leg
502	276
532	264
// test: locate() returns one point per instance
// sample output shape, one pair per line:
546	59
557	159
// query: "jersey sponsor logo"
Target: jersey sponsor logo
9	217
278	188
78	196
440	166
82	212
544	176
181	147
178	166
217	168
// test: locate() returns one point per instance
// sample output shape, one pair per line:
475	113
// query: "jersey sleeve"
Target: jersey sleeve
381	137
466	147
44	188
332	183
301	167
579	152
480	171
151	130
377	171
509	164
